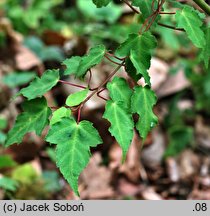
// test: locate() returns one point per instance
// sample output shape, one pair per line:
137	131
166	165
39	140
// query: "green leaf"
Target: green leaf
45	53
73	147
101	3
6	161
33	119
72	65
121	124
2	138
3	123
25	174
76	98
59	114
205	54
18	79
109	14
142	102
131	70
120	91
39	86
80	65
189	19
145	7
139	48
179	138
8	184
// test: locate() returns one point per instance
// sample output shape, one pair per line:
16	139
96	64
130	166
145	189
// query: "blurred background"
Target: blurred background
174	162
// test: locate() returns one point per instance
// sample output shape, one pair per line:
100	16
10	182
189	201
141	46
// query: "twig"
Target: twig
103	83
203	5
130	6
170	27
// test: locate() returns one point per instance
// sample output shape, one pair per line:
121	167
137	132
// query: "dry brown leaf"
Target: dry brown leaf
131	167
173	84
152	154
158	73
128	189
96	180
26	59
202	133
150	194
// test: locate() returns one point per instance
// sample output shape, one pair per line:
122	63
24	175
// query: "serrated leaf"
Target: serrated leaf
73	147
59	114
145	7
39	86
191	21
76	98
120	91
131	70
205	54
72	65
143	101
101	3
121	124
33	119
80	65
139	48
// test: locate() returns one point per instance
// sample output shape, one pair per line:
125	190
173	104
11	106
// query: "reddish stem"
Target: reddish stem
172	13
98	94
111	60
130	6
90	78
72	84
112	55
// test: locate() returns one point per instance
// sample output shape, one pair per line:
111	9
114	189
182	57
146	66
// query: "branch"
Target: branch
203	5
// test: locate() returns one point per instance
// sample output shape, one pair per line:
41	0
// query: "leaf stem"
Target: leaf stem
111	60
98	94
112	55
72	84
172	13
203	5
103	83
130	6
170	27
